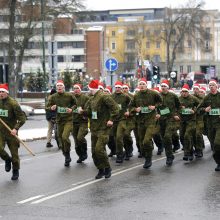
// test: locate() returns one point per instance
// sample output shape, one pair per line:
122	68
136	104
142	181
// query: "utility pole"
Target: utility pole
43	43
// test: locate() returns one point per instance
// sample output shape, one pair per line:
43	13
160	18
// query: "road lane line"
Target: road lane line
30	199
94	181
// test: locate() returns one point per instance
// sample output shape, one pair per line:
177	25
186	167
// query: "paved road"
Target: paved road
48	190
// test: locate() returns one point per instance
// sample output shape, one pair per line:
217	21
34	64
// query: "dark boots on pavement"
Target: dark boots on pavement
8	165
67	159
15	174
148	163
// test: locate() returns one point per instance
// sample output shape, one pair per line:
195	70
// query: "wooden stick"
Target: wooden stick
26	147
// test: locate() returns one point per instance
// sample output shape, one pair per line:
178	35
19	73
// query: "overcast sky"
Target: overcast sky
131	4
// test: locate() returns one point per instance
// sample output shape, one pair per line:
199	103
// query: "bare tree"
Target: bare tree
20	34
179	24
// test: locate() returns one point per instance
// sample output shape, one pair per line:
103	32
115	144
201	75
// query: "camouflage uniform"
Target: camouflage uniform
120	131
64	120
101	108
12	115
213	116
198	137
168	125
80	127
146	120
188	124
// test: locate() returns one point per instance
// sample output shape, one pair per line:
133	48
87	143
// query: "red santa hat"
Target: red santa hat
94	84
213	81
4	87
101	85
60	82
185	88
118	84
196	85
108	89
157	89
165	82
203	90
142	80
77	85
126	86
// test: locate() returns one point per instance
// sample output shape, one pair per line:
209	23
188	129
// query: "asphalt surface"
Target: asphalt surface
48	190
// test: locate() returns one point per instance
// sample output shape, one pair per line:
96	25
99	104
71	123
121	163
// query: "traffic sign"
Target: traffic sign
173	74
111	64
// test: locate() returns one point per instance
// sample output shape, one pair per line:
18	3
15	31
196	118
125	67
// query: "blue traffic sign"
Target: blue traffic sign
111	64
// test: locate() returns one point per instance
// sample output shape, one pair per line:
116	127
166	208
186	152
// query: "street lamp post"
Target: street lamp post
21	85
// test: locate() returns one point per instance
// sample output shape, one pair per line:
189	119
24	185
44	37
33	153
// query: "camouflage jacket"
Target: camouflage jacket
123	101
11	114
170	106
212	100
190	103
101	108
62	101
81	101
144	99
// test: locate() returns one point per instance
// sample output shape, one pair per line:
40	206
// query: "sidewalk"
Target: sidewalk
32	134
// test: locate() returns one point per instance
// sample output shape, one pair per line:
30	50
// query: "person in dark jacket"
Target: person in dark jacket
51	119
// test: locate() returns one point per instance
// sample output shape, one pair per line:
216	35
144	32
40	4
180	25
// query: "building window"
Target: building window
207	45
189	69
189	43
147	33
156	58
131	32
77	31
60	59
158	45
131	45
113	33
181	69
148	44
156	32
113	45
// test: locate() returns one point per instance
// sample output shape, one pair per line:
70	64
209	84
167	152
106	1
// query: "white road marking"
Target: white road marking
92	182
30	199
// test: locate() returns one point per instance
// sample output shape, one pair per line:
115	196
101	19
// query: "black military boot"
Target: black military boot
199	154
160	150
48	145
100	174
15	174
120	158
67	159
169	161
127	156
176	148
148	163
217	168
108	172
191	157
8	165
140	155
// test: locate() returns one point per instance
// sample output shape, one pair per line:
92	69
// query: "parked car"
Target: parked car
28	110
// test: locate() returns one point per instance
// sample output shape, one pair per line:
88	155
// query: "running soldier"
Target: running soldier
102	111
145	103
63	103
211	105
12	115
80	123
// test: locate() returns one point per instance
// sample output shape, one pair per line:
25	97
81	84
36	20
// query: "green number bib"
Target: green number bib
165	111
145	110
94	115
186	111
61	110
3	113
76	110
214	111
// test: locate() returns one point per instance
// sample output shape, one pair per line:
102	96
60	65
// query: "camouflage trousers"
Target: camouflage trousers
80	130
13	145
64	130
99	140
